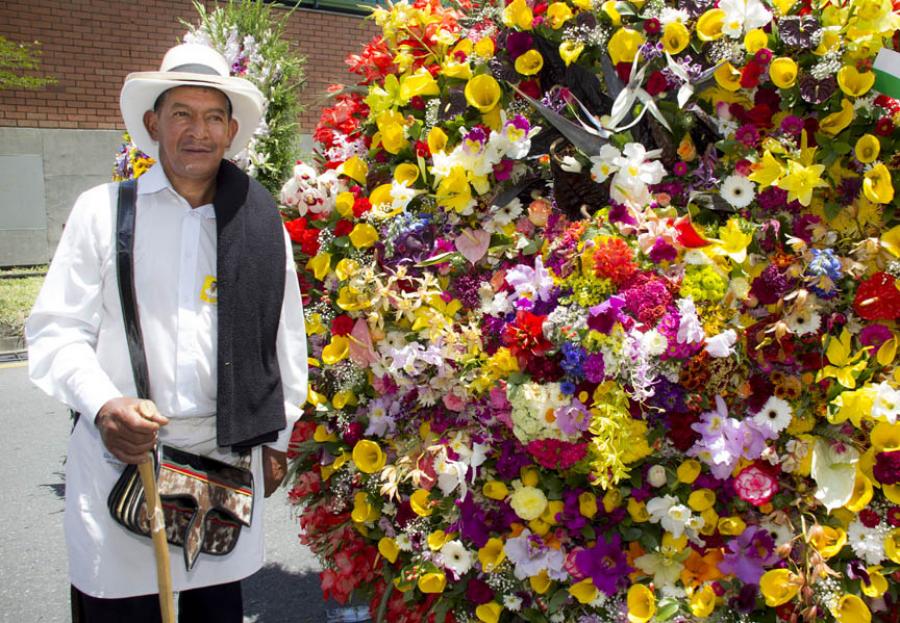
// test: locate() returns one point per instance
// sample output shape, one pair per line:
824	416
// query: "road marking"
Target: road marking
13	364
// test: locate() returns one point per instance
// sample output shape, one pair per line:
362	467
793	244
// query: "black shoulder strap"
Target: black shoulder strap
125	270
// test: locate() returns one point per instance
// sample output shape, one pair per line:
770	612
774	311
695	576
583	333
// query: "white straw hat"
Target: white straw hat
189	64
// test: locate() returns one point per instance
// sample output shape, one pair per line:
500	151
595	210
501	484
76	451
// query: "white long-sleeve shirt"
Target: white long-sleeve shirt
78	354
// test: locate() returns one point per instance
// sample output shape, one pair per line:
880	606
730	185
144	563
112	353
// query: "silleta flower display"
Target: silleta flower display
602	301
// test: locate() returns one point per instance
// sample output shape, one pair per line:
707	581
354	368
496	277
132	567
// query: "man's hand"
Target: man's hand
274	469
128	428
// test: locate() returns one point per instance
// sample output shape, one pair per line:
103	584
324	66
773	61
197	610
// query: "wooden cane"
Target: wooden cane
157	528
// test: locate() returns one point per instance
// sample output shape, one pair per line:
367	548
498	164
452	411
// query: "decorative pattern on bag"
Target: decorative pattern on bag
205	502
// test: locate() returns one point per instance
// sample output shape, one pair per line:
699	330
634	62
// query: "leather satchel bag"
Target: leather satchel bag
205	501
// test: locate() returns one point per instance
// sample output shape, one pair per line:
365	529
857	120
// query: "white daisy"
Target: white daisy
776	415
671	14
456	557
738	191
512	603
508	213
868	543
780	533
803	322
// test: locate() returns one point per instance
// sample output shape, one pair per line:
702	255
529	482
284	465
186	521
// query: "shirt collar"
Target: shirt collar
155	180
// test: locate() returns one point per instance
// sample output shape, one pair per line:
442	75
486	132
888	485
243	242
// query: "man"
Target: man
219	306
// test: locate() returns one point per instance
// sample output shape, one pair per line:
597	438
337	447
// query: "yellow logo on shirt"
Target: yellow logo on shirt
209	293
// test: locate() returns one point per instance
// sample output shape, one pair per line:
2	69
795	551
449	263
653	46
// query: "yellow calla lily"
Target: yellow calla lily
529	63
710	25
491	555
623	46
835	123
519	15
363	235
585	591
558	13
368	456
641	604
420	503
851	609
867	148
388	548
702	601
540	583
489	612
728	77
363	509
336	350
569	51
320	265
421	84
779	586
675	37
783	72
853	82
431	583
483	92
355	169
877	185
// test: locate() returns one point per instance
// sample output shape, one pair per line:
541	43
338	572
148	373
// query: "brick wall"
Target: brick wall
90	45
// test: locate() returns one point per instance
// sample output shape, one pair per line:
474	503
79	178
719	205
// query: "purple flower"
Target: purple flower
594	368
771	285
662	251
748	135
792	124
605	564
573	419
619	213
603	317
471	524
478	592
748	554
517	43
874	335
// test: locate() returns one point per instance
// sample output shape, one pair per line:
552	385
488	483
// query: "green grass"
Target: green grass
17	296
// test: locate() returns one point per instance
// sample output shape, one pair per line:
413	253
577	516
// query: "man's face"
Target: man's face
193	129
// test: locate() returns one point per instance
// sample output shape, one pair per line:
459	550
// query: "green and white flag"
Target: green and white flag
887	73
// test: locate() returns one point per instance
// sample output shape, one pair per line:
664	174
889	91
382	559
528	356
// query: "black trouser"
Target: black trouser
221	603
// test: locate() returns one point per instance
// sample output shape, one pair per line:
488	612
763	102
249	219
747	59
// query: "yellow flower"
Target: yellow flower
641	604
343	203
483	92
558	14
421	83
703	601
843	365
420	503
783	72
363	235
837	121
336	350
454	192
437	140
585	591
779	586
355	169
734	241
731	526
528	502
489	612
853	82
727	76
609	7
877	585
851	609
890	240
867	148
320	265
491	555
587	504
363	509
434	582
828	541
495	490
529	63
437	540
322	434
862	493
709	26
343	398
688	471
529	476
346	268
368	457
766	171
485	47
637	511
569	51
406	173
756	40
877	185
801	181
676	37
612	500
623	45
388	548
701	499
540	583
892	545
518	14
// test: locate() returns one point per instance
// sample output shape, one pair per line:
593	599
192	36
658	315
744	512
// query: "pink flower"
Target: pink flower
755	486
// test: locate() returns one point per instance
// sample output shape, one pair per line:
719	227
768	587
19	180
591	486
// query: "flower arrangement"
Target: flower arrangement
602	299
253	43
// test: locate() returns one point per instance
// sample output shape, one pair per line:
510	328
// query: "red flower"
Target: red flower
525	337
614	260
342	228
555	453
342	325
361	206
755	486
689	237
884	126
878	298
656	83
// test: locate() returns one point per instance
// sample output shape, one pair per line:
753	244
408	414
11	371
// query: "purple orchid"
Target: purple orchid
749	554
605	564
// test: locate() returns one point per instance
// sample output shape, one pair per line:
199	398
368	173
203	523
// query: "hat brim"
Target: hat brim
141	89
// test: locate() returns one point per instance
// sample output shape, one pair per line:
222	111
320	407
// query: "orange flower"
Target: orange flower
699	569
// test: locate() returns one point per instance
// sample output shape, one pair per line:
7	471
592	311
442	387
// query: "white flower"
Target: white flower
512	603
656	476
635	173
721	345
803	322
738	191
775	415
603	165
673	517
886	404
671	14
508	213
743	15
570	165
690	331
780	533
868	543
456	557
654	343
664	569
532	283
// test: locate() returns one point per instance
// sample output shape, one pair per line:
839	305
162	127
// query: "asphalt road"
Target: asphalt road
33	572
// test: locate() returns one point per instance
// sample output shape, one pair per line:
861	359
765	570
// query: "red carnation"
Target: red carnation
342	325
342	228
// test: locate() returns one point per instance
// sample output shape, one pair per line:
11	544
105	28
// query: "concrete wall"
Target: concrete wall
70	162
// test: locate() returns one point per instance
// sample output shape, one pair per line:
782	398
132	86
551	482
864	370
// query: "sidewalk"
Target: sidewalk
33	583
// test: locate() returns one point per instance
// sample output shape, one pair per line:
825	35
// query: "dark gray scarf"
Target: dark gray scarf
250	282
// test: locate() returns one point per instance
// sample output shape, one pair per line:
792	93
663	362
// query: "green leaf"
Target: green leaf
667	609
